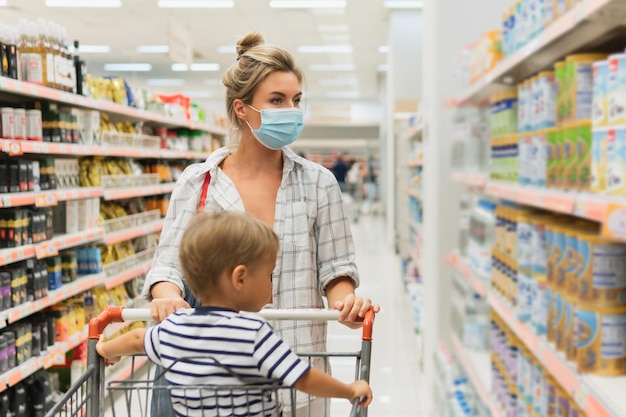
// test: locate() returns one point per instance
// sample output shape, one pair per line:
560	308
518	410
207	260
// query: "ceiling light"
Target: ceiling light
383	49
330	49
91	49
128	67
196	4
227	49
84	3
196	67
153	49
4	3
383	68
165	82
343	94
404	4
198	94
338	81
334	28
331	67
308	4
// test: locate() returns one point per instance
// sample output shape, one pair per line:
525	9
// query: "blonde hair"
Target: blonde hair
216	243
256	60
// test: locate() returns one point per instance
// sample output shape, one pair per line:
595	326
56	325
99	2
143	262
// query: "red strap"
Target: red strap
205	189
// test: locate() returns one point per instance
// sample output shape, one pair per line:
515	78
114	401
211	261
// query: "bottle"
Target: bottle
80	70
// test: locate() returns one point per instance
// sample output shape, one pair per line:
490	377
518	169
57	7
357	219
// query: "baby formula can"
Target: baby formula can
584	143
573	262
556	318
539	389
599	162
562	403
602	281
552	386
601	340
552	156
570	327
570	157
522	106
539	158
616	89
525	230
525	162
600	100
559	77
579	78
559	165
508	111
546	107
615	150
560	260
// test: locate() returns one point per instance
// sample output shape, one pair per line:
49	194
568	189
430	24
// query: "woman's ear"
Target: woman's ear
240	109
238	277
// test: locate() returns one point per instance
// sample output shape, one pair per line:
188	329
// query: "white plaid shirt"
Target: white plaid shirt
310	221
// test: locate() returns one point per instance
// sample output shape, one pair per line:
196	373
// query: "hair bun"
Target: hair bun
250	40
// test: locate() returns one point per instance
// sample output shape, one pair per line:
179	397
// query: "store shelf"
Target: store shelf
53	246
477	365
133	232
588	24
21	147
598	396
48	198
122	193
473	179
413	192
585	205
127	275
12	255
20	88
458	262
79	286
55	355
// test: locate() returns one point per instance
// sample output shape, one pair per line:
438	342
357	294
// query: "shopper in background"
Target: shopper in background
340	169
260	175
235	276
370	179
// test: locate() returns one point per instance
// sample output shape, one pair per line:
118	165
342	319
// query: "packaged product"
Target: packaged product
602	281
616	89
599	161
524	146
579	86
546	107
570	157
584	143
539	158
568	341
552	157
556	317
523	95
615	162
559	77
601	340
600	106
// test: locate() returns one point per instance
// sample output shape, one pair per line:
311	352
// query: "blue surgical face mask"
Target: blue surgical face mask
279	127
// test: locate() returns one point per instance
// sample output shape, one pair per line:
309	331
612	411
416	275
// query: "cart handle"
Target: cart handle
112	314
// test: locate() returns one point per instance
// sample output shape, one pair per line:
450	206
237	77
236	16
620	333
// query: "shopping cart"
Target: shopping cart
132	396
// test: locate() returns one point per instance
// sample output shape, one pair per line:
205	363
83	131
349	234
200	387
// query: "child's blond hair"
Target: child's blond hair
214	244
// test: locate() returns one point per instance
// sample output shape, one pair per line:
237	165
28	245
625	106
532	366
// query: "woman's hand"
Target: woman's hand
100	348
160	308
353	307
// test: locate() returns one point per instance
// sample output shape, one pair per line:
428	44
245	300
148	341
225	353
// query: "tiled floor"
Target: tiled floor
394	377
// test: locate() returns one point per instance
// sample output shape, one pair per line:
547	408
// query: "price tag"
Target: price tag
614	223
15	149
45	199
46	250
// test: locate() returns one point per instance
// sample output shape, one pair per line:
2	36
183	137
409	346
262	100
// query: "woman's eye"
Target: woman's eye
276	101
297	101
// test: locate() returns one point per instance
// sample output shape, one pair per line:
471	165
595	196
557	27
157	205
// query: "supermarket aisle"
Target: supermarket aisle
395	372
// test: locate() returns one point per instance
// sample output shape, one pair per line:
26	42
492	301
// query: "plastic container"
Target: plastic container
601	340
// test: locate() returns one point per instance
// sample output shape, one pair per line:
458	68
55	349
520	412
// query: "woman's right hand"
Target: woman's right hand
160	308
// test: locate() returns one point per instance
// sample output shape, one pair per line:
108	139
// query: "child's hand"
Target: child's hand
100	347
361	389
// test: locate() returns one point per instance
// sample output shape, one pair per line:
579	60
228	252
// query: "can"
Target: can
601	340
602	280
584	140
579	86
616	89
599	112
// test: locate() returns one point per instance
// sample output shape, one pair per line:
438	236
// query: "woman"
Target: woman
299	199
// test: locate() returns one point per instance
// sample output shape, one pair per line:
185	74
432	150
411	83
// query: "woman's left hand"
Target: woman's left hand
353	308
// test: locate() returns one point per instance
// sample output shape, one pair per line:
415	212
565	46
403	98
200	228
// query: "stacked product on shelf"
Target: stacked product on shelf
457	397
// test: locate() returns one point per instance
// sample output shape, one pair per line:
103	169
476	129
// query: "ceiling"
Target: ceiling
361	25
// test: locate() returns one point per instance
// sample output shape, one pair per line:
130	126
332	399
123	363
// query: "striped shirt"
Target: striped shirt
310	221
190	343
